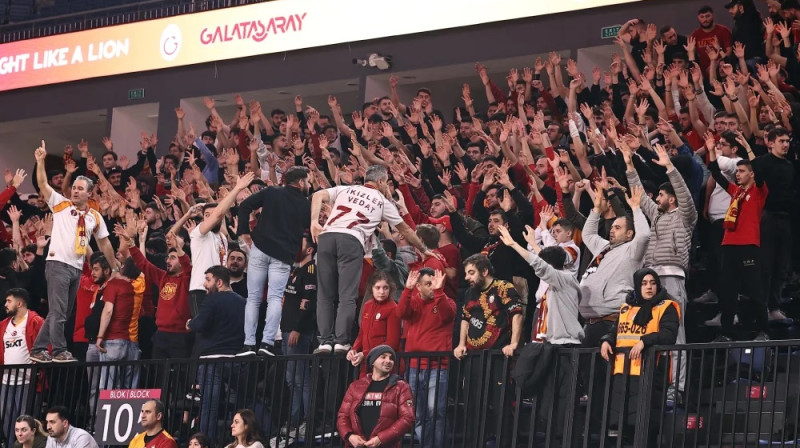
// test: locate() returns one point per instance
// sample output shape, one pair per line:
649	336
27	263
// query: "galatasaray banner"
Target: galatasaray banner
263	28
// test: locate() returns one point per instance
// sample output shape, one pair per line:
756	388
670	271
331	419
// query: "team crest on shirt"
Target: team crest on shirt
409	403
377	316
491	299
14	333
73	212
435	310
747	198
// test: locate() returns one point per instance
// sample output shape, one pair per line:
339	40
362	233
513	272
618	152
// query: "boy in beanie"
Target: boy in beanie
377	409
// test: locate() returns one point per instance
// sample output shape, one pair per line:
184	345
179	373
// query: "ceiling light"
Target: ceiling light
409	77
282	92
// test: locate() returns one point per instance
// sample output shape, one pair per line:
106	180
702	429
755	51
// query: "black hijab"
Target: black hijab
635	298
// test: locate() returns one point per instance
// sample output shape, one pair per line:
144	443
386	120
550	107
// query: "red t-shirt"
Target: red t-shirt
748	225
705	40
120	293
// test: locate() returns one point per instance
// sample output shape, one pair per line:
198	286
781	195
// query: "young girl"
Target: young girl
199	440
380	324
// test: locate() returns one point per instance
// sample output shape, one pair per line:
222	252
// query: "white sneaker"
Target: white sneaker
777	315
708	297
342	349
323	349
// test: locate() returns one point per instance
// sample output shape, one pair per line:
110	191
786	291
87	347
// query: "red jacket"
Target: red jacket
429	325
379	325
397	412
173	300
32	328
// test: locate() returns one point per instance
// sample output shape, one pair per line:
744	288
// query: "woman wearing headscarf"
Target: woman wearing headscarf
647	318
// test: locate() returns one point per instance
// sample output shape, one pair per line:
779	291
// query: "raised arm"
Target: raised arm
225	204
41	173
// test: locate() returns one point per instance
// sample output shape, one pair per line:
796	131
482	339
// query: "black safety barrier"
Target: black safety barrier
731	394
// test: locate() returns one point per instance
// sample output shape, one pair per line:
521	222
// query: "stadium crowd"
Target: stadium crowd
335	232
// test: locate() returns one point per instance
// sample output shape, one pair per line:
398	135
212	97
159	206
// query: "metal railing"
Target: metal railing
109	16
735	394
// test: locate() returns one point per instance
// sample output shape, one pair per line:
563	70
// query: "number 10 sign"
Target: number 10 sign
119	415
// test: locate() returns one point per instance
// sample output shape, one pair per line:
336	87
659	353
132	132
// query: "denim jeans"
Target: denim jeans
93	375
119	377
62	288
260	269
298	376
13	403
429	387
211	377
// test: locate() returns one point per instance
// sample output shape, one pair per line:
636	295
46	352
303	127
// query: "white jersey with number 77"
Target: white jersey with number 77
358	210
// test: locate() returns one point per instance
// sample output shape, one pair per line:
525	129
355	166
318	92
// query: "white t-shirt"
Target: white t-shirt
16	352
207	250
65	229
720	200
358	211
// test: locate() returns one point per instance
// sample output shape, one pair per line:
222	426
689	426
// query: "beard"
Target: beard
478	282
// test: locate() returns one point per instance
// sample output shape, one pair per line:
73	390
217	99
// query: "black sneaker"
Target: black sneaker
722	338
247	350
266	350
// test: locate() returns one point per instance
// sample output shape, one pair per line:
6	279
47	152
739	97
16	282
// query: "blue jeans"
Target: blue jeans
429	387
298	376
210	377
119	377
260	268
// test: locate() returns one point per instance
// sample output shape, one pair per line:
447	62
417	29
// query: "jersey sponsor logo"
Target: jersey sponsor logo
477	323
13	344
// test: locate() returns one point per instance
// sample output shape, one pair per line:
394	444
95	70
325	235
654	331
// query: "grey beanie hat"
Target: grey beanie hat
376	352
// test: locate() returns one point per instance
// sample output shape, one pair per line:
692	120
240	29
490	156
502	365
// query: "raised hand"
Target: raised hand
505	236
546	214
40	153
413	278
636	196
663	157
19	177
14	214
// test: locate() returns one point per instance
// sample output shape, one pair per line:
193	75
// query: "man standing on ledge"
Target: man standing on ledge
356	212
277	239
73	224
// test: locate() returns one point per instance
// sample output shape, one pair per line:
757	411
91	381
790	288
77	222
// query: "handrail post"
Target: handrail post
644	405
